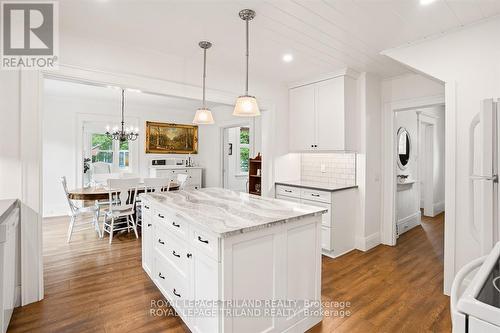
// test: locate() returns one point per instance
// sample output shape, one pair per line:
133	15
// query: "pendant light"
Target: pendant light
203	115
246	105
123	133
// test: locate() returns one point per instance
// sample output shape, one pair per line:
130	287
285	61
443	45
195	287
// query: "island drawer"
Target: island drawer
316	195
174	223
170	282
175	251
288	191
206	243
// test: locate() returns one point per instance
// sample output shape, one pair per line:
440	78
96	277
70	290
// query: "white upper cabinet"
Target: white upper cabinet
302	117
324	116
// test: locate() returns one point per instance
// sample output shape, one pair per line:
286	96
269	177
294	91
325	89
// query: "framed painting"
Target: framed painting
164	138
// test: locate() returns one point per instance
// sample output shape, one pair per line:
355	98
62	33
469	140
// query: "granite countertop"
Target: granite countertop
316	186
6	206
225	212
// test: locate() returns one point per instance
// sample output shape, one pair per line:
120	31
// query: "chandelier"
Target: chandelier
123	133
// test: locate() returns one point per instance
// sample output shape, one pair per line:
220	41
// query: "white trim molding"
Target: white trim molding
368	242
409	222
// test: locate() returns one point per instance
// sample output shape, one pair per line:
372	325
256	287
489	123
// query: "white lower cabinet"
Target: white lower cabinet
338	224
200	273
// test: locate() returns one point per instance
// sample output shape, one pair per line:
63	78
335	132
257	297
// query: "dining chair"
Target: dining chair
121	211
79	215
151	185
102	178
181	180
101	167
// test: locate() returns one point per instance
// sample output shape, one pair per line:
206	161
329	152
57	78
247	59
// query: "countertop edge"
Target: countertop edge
269	224
242	230
316	187
14	203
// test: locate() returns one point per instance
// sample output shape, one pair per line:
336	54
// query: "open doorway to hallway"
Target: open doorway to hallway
420	156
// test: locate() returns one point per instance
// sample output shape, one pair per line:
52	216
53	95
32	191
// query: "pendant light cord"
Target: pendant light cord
204	74
247	55
123	108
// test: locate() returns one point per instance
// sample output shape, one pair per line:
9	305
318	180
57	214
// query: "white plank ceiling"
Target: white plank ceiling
322	35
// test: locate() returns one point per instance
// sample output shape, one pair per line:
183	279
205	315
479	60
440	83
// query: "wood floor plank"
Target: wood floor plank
91	286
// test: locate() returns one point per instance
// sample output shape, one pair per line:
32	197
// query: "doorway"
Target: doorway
420	156
237	150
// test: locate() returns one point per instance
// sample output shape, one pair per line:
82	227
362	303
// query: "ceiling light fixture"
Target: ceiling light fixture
123	133
203	115
287	57
246	105
426	2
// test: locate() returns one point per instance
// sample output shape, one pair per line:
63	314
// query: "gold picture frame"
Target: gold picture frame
165	138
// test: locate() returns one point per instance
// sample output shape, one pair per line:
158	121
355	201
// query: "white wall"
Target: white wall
63	112
10	159
368	162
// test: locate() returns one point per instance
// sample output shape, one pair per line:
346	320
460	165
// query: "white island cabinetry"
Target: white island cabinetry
212	251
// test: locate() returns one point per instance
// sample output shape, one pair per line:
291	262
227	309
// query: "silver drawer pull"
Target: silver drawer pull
288	191
161	276
160	241
176	294
147	207
175	254
161	216
315	195
176	225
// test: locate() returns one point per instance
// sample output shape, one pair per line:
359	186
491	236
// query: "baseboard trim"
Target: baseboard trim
331	255
438	208
409	222
368	242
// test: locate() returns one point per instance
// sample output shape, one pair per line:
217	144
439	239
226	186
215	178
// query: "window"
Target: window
244	149
107	150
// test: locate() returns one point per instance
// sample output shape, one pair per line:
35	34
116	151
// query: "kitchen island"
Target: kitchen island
234	262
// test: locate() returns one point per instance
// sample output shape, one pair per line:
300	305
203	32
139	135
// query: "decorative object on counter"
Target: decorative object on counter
123	133
402	178
203	115
164	138
254	175
404	148
246	105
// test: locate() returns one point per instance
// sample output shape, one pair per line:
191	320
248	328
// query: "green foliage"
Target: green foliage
244	135
102	142
244	155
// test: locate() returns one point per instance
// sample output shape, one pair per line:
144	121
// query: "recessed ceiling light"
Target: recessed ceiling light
426	2
287	57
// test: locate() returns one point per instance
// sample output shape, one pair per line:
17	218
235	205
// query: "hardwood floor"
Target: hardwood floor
91	286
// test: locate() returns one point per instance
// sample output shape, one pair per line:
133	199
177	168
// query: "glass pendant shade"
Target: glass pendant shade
203	116
246	106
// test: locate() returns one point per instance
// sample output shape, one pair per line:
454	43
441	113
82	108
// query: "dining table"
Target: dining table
101	192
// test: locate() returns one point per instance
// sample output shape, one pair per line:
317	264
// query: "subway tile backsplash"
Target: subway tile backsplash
329	169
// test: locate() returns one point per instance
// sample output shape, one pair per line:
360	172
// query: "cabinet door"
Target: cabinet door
330	114
147	238
302	118
205	289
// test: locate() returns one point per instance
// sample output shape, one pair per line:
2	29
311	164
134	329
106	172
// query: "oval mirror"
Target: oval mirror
404	148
